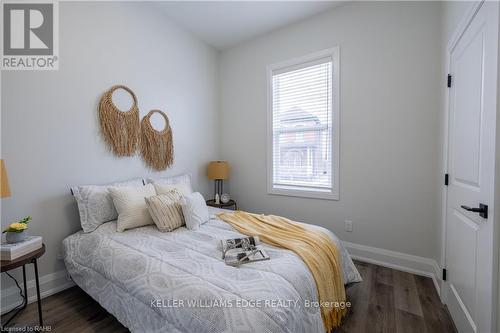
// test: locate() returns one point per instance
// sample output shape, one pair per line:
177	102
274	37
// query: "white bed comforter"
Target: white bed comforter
177	282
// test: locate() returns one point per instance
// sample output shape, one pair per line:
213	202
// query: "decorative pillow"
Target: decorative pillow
95	204
166	210
180	179
183	189
195	211
131	207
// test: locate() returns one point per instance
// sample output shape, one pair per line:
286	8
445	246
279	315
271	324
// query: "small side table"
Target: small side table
227	205
29	258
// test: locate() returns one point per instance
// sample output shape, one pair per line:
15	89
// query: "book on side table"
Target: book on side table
16	250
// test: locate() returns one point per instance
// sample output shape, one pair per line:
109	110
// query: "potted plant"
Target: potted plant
16	232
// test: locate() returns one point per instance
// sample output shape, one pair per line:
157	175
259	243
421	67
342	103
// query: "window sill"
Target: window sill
291	192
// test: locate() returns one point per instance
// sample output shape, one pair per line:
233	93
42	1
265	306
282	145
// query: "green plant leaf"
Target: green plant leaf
25	220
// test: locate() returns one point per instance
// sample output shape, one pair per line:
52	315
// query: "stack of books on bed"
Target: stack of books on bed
239	251
16	250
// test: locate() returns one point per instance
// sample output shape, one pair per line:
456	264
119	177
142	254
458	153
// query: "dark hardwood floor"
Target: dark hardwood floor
386	301
393	301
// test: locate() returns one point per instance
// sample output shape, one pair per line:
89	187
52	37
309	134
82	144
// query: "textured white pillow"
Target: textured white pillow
95	203
195	210
131	206
182	188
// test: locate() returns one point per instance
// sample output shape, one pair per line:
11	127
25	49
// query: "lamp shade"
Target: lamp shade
4	181
218	170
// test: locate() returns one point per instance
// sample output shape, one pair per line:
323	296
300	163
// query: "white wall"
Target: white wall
50	135
390	110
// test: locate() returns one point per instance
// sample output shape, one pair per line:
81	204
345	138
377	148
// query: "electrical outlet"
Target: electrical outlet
348	225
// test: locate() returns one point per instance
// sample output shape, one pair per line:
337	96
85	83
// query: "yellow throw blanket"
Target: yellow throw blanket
315	248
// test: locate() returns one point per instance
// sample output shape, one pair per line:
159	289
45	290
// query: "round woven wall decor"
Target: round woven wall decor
157	147
120	129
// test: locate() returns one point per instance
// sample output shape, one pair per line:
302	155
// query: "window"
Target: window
303	147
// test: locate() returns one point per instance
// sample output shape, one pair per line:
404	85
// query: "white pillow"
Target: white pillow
95	203
180	179
131	206
183	189
195	210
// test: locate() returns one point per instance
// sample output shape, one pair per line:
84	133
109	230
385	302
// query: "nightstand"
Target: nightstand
228	205
29	258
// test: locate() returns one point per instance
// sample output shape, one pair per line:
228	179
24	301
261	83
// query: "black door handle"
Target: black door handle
482	210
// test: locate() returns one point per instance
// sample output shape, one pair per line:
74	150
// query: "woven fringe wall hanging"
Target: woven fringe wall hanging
119	129
157	147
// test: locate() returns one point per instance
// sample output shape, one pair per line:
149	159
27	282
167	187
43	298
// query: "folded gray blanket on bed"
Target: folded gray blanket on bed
177	282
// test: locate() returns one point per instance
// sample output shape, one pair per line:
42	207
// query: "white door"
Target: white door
469	289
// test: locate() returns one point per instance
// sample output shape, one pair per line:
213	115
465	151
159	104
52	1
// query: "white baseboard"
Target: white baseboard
397	260
49	285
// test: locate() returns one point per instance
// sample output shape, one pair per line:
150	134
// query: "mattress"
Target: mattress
177	282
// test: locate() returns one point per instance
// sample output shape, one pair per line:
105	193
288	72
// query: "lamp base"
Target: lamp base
218	188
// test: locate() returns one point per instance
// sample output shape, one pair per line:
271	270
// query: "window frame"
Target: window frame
298	191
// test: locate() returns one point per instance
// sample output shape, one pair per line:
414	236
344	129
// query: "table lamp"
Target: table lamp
218	171
4	181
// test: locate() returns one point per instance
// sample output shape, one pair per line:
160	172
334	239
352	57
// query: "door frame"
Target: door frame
455	38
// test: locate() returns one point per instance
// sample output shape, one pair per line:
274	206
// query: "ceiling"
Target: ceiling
224	24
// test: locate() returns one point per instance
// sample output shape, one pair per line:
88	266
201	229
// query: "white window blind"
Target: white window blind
302	126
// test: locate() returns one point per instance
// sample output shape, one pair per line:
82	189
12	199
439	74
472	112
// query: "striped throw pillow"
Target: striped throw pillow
166	210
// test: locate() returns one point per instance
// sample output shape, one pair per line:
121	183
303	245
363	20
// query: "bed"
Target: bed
176	281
